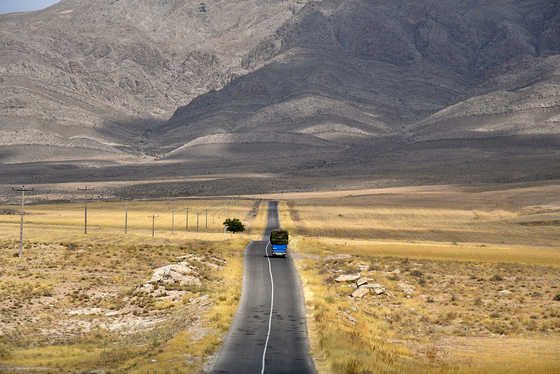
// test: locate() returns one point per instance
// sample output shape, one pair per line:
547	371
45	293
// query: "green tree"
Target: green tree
234	225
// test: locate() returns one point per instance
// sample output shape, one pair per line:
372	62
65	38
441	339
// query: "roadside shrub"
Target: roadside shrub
497	278
450	316
416	273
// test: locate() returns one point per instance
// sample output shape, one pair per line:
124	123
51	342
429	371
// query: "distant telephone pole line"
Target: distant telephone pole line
153	223
126	217
197	214
22	189
85	210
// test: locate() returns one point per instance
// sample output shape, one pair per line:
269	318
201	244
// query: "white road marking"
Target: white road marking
271	305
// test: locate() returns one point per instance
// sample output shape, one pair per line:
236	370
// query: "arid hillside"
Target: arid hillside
95	75
450	91
421	69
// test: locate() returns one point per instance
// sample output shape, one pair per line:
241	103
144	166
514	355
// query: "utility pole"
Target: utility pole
173	218
197	214
187	226
213	209
22	189
85	198
126	217
153	223
206	218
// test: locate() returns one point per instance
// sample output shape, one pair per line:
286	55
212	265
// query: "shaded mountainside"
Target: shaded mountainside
420	69
330	86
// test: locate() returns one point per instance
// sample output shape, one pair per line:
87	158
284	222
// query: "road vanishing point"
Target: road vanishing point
269	332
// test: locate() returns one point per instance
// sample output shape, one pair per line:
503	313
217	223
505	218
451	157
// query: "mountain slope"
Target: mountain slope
315	88
390	68
108	69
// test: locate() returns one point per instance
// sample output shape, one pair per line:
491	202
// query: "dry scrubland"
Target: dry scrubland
78	302
443	254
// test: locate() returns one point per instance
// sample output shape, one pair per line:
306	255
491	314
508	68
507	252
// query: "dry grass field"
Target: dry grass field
470	278
107	301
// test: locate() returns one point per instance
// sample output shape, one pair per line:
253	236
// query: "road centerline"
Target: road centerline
280	344
271	306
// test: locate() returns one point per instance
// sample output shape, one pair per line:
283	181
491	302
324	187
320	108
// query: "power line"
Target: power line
22	189
85	199
126	218
153	223
197	214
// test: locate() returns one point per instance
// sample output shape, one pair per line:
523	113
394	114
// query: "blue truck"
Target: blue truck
279	241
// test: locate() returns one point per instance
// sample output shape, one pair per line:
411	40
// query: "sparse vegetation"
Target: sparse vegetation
467	307
92	301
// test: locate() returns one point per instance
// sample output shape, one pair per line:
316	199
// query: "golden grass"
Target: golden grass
456	248
106	221
60	357
505	355
438	251
74	272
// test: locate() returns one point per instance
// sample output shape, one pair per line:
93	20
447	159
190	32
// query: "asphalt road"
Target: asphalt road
268	333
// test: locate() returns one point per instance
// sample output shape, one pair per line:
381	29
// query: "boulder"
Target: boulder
504	293
348	278
360	292
170	273
361	282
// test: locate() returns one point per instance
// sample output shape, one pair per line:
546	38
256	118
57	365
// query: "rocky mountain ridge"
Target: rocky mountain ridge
112	69
126	81
405	68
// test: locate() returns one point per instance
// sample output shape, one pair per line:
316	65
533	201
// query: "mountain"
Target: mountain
308	89
441	69
94	75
